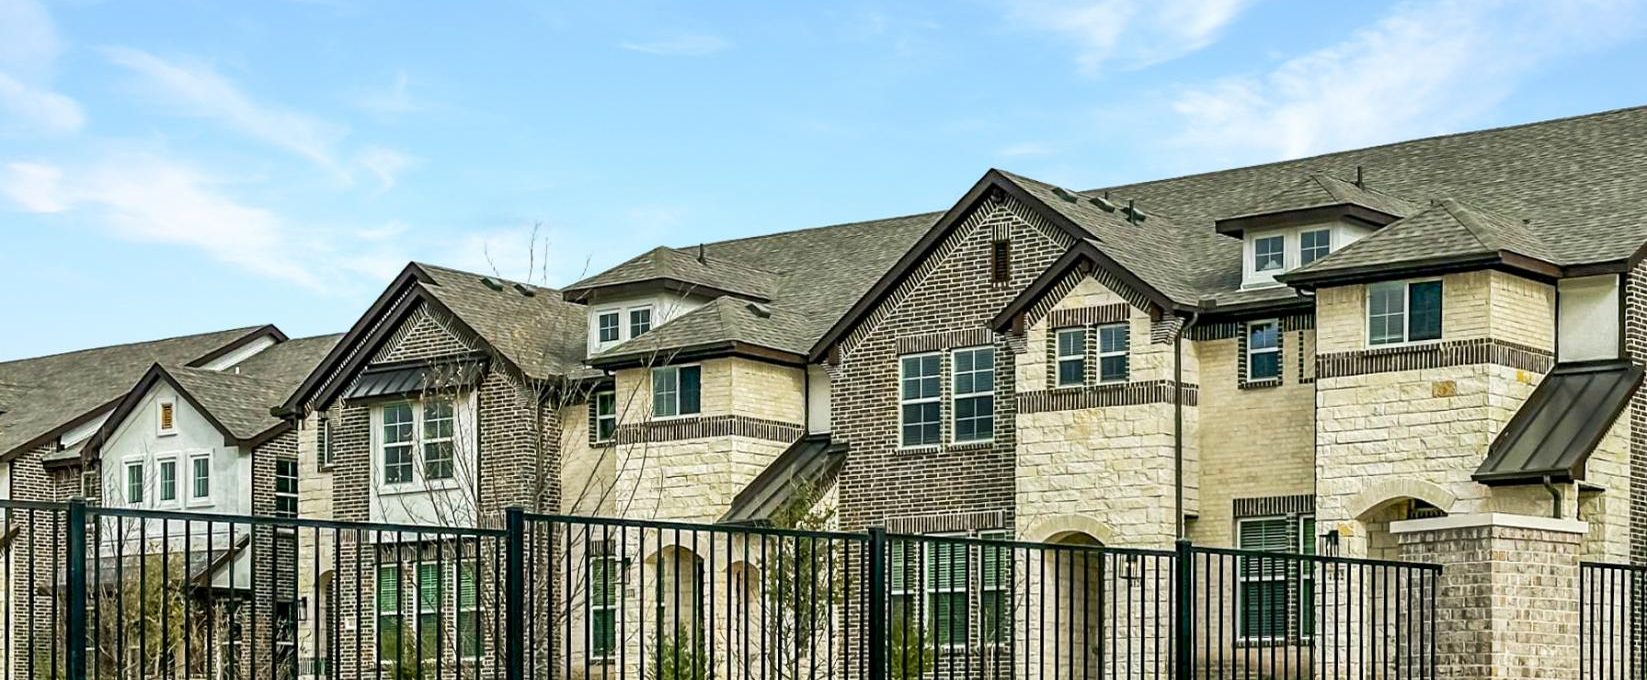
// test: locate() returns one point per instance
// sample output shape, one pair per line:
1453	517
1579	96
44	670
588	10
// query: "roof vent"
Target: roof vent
760	310
1103	202
1134	215
701	258
492	283
1064	194
1360	181
526	290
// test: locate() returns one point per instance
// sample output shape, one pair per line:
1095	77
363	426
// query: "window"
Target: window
1276	595
919	400
946	592
437	438
1269	253
285	491
168	481
607	323
1314	245
605	580
930	586
640	321
1113	341
994	574
389	625
200	468
973	384
166	418
1000	262
606	416
1072	356
397	443
468	610
1403	311
134	483
1263	351
430	596
676	390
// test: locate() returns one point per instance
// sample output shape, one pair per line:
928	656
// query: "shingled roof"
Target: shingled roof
1314	191
1448	230
681	271
42	396
531	326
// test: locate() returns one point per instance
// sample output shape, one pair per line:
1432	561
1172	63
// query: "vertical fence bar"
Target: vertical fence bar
74	652
1183	600
876	616
515	592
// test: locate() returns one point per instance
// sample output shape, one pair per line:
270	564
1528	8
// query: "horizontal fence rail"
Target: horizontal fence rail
123	594
1612	615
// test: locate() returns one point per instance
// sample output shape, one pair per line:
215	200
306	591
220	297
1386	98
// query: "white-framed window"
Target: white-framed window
395	442
931	582
200	478
167	474
323	440
605	582
919	400
608	328
165	418
134	482
1313	245
1269	253
972	385
285	491
606	416
1072	356
1113	342
1263	350
1276	595
994	577
1403	311
437	430
640	321
677	391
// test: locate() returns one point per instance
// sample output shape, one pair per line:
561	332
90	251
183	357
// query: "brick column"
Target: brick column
1507	604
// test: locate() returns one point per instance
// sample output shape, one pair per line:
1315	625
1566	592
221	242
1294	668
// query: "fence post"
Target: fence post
1183	639
514	588
876	619
74	653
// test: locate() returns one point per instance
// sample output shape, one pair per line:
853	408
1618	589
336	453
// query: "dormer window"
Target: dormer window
1313	245
608	325
1269	253
640	321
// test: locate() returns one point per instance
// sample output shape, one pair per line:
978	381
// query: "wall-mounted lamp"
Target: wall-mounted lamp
1329	543
303	609
1129	567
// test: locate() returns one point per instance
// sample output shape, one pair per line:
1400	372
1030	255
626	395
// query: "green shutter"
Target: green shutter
428	586
947	568
993	561
468	596
388	589
898	579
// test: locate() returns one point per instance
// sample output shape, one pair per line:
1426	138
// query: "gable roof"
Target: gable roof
1447	231
530	328
43	396
816	274
681	272
237	400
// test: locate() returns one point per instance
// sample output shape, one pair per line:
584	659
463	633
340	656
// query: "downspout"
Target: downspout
1178	423
1555	497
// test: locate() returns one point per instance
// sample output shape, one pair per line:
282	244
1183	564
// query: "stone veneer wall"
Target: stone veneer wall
314	501
1102	465
1416	421
945	303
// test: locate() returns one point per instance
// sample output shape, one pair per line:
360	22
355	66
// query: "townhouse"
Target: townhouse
181	424
1346	353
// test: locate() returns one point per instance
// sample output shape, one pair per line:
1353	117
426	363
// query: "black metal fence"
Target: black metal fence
1612	614
118	594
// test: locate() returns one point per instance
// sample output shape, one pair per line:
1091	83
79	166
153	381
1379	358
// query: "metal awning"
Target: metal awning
1554	432
808	465
402	378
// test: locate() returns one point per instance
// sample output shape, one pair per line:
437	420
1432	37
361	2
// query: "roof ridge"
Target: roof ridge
1461	214
497	277
242	330
842	225
1342	152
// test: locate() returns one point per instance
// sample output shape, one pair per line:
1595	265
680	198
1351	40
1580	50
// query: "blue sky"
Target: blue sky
168	168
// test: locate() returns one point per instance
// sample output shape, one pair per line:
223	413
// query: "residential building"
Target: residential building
191	433
1314	355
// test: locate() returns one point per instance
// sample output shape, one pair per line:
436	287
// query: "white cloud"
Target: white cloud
693	45
385	164
29	47
1135	33
201	91
1423	69
152	199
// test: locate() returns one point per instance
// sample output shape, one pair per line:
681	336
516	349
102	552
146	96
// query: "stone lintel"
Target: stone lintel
1490	519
